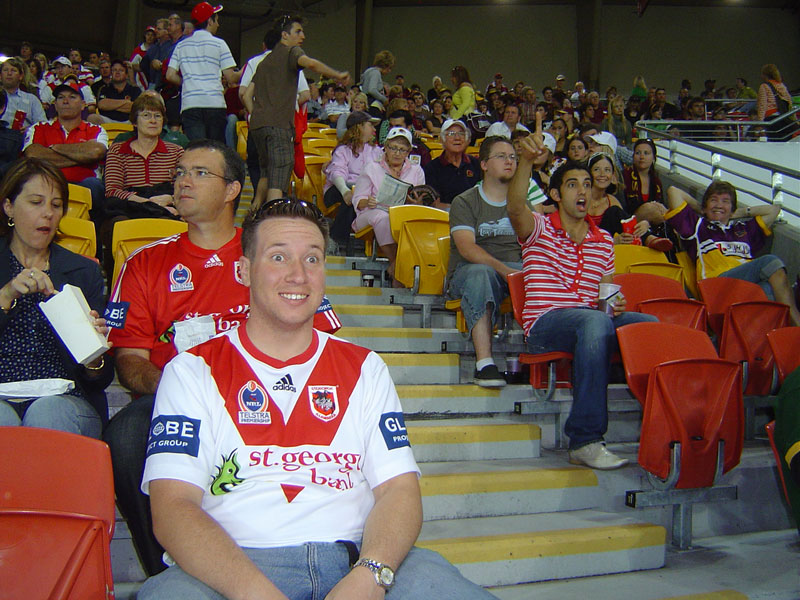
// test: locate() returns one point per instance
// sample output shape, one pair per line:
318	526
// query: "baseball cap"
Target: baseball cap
549	142
150	28
359	116
203	11
498	75
402	132
450	122
62	60
561	78
605	138
70	84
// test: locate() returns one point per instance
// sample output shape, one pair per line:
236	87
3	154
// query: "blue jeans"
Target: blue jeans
199	123
478	286
63	412
591	336
758	270
310	571
98	190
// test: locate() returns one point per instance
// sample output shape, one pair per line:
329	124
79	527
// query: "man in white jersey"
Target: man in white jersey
278	462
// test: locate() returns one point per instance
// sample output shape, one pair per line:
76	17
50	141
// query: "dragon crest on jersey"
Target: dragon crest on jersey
180	279
253	404
237	271
324	402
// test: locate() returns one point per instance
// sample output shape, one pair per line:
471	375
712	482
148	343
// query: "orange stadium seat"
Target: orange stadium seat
785	344
662	297
718	293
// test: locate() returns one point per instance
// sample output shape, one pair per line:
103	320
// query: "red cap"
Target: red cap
150	28
202	12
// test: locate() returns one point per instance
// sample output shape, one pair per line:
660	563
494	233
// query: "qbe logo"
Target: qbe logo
393	428
178	434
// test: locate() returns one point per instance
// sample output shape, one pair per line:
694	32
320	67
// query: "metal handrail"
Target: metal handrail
777	172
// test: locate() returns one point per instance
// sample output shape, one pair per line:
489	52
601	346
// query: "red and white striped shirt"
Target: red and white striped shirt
126	168
560	273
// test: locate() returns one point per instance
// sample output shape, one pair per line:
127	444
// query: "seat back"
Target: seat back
770	429
637	287
418	231
643	346
678	311
718	293
114	129
242	131
696	402
689	272
314	182
132	234
663	269
785	346
516	290
79	202
56	515
744	339
627	254
77	235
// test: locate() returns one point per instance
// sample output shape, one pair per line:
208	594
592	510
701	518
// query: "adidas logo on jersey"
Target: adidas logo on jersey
214	261
284	384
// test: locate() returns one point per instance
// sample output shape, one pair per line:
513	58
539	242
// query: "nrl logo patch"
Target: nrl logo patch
253	405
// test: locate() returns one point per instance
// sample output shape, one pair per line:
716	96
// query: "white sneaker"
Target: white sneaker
596	456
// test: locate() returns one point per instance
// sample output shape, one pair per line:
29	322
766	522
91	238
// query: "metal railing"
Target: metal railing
762	180
779	129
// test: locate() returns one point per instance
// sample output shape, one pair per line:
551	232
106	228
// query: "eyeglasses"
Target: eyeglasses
504	157
151	115
290	207
452	134
195	173
397	149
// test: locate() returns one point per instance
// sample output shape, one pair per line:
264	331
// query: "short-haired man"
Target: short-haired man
22	109
510	123
63	72
333	110
285	476
724	239
72	144
565	258
668	111
115	99
140	78
454	171
202	59
103	77
270	99
172	295
483	251
156	54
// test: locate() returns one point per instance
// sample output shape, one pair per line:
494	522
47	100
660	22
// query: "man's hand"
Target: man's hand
343	78
358	584
532	146
640	229
620	304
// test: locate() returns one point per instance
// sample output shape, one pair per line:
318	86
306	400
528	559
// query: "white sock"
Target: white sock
484	362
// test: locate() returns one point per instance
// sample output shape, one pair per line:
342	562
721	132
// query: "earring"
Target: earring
10	222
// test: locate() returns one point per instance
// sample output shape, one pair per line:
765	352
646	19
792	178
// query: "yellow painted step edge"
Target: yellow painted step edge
384	332
349	290
369	309
506	481
718	595
419	360
541	544
445	391
342	273
471	434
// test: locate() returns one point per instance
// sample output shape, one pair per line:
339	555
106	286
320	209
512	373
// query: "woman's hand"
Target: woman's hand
165	201
99	323
29	281
640	229
348	197
372	202
624	238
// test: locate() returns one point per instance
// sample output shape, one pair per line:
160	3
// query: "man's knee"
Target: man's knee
127	431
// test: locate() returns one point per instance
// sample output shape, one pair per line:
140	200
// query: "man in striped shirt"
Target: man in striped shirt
201	58
565	258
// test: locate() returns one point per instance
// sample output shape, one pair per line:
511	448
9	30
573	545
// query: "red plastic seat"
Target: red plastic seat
744	339
56	515
549	370
677	311
718	293
644	346
695	403
663	298
785	345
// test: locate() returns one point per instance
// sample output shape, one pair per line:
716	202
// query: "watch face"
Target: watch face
386	576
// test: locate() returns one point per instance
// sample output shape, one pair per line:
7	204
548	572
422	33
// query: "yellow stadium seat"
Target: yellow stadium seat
135	233
79	202
473	151
627	254
322	146
434	146
668	269
242	130
454	305
77	235
322	133
317	126
114	129
689	272
417	229
368	235
313	184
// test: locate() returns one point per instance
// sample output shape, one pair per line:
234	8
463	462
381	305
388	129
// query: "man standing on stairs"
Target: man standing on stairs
565	258
302	488
170	296
483	251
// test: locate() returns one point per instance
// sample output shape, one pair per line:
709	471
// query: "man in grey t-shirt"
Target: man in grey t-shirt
483	251
270	100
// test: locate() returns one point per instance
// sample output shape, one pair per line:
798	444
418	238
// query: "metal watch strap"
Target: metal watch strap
376	569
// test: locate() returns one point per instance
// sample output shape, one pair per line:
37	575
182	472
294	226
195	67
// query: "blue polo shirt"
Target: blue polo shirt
449	180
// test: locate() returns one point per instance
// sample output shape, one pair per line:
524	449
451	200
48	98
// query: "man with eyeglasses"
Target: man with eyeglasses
170	296
483	251
278	463
454	171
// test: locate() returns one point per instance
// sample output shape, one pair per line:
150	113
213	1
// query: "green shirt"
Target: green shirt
787	434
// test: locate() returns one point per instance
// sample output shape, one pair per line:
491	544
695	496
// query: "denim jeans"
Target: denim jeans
479	285
126	436
758	271
310	571
63	412
199	123
591	336
98	189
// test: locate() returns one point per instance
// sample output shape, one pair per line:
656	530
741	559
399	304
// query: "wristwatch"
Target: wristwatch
384	576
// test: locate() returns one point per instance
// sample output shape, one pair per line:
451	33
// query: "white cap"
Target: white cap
605	138
400	132
549	142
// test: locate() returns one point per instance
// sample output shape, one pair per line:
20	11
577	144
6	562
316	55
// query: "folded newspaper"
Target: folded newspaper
392	192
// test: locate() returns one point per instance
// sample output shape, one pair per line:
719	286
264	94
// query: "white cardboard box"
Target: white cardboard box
68	313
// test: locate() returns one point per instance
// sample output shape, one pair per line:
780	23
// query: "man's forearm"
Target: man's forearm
320	67
109	104
475	254
50	155
676	197
81	153
137	373
518	212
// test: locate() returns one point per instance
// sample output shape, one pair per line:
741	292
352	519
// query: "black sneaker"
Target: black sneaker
489	376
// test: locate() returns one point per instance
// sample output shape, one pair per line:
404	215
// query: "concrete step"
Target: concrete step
369	315
473	439
355	295
425	400
405	339
422	368
456	490
525	548
342	278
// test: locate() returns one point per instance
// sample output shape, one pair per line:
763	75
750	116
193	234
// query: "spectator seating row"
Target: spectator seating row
132	234
79	202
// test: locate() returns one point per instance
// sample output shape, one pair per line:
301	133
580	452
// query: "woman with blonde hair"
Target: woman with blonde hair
639	87
358	103
616	122
774	99
464	97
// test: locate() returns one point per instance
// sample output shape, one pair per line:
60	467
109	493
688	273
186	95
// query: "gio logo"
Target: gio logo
393	428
